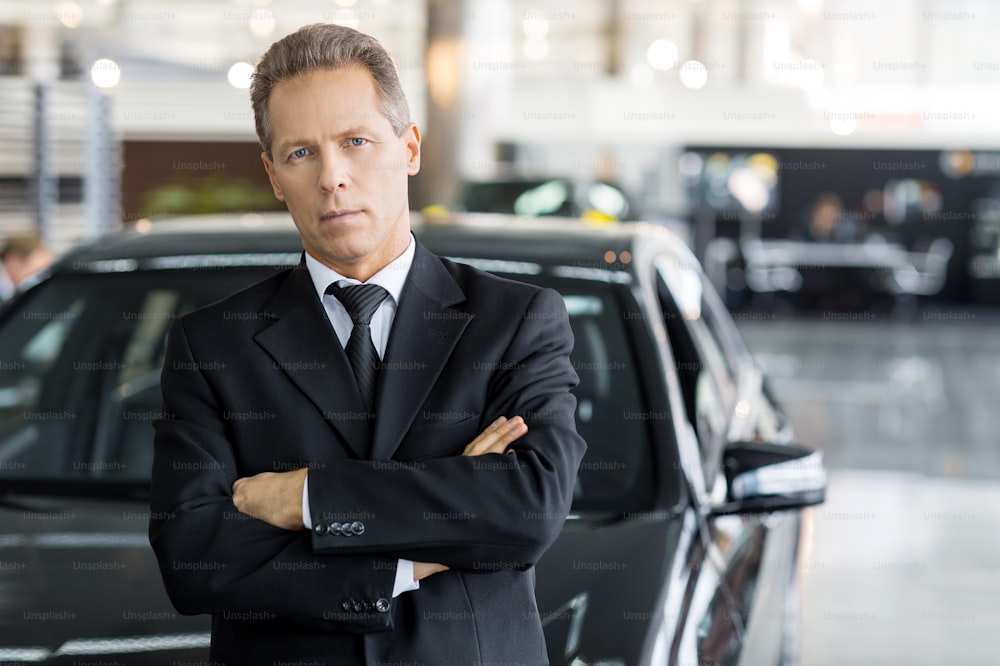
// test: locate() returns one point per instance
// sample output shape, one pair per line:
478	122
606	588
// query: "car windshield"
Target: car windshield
81	357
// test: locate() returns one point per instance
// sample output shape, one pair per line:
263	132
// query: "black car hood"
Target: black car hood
78	578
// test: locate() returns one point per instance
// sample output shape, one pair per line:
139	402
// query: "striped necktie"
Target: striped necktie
361	301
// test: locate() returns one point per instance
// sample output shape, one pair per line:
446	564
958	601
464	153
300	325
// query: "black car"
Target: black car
681	547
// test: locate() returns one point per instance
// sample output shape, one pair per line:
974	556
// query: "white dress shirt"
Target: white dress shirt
391	278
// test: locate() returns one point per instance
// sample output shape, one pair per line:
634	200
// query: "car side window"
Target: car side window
616	472
706	377
612	414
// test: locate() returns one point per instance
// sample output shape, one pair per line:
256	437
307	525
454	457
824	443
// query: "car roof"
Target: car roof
544	241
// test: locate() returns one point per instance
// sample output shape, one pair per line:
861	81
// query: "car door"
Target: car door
738	605
597	585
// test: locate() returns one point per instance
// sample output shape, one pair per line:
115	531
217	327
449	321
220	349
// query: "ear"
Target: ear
269	168
411	140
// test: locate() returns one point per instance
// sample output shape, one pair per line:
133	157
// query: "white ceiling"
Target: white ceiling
905	70
922	41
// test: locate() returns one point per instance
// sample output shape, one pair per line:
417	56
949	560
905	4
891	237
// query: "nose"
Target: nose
334	172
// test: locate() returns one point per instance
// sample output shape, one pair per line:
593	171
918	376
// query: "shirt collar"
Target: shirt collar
391	278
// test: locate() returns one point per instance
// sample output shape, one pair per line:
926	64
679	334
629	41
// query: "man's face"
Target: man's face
341	169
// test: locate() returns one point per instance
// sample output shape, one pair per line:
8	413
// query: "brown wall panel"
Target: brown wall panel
162	178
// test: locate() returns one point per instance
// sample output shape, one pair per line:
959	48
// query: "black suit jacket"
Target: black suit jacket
259	383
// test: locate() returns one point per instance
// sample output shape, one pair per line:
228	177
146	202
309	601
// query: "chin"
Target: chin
346	250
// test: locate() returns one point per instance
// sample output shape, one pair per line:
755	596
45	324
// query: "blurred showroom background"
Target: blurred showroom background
739	124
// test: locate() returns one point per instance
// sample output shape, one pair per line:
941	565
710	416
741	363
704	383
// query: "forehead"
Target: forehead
333	98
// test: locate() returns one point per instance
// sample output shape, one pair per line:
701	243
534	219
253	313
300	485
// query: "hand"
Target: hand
274	497
497	436
422	570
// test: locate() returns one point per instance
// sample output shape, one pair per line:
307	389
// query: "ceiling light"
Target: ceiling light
662	54
694	75
240	74
105	73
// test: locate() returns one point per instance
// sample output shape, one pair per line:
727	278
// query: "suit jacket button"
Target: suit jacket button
382	605
369	606
335	528
357	528
320	529
347	604
358	606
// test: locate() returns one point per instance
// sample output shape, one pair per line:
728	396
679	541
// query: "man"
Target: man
826	222
318	519
21	256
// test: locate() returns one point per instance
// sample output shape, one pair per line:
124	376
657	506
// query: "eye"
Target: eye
299	154
357	142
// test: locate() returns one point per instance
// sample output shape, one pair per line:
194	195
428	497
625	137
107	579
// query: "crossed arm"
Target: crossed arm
276	497
217	536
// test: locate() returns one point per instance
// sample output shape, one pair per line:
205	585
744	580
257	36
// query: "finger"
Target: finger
507	437
489	436
497	440
490	429
243	480
239	501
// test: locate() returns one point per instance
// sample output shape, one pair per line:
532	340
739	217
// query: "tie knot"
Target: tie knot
361	300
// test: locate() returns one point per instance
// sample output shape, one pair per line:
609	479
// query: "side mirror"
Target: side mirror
771	477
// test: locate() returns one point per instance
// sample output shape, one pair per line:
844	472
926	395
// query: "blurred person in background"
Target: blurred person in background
21	256
826	222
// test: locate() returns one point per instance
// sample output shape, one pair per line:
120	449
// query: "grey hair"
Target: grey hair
326	46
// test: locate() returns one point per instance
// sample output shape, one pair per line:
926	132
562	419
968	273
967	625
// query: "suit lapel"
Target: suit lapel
425	330
303	344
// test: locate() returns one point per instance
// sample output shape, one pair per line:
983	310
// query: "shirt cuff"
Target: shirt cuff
404	578
306	516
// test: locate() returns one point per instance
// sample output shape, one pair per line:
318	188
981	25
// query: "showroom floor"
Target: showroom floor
901	566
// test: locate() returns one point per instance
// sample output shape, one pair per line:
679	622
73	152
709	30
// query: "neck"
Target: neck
364	268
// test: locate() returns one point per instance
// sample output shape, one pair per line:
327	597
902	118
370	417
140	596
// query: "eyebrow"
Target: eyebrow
353	131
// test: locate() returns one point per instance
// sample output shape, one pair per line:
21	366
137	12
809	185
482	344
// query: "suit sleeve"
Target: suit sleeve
214	559
479	513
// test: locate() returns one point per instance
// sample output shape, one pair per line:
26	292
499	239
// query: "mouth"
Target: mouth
338	215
